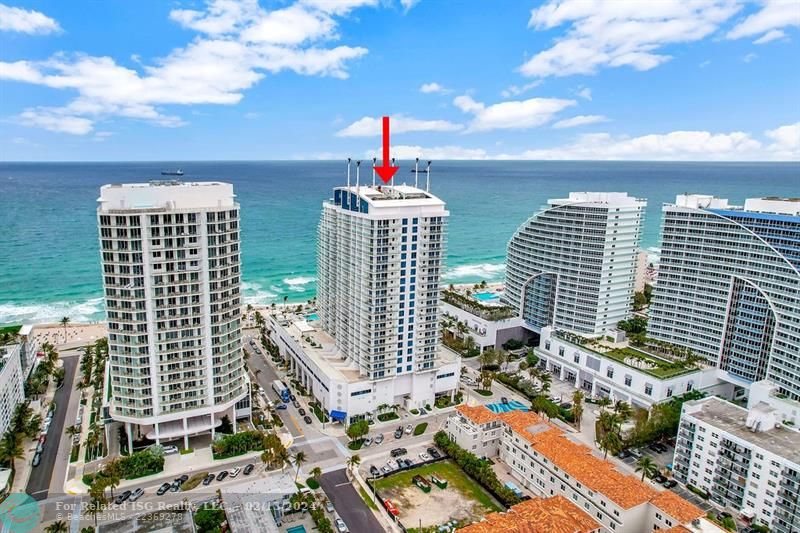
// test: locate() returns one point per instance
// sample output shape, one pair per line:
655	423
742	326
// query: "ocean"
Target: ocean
49	259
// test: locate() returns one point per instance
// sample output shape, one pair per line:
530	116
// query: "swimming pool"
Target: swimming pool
312	317
513	405
296	529
485	296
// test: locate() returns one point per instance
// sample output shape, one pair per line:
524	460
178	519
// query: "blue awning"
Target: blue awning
339	415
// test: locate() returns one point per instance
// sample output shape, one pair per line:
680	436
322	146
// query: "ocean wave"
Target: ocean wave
254	293
86	311
298	281
487	271
653	254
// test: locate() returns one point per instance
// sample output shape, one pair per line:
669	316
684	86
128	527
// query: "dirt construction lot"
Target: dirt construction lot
463	499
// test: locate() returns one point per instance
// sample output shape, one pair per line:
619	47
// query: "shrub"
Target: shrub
414	411
237	444
420	429
187	451
140	464
312	483
483	392
194	481
208	518
383	417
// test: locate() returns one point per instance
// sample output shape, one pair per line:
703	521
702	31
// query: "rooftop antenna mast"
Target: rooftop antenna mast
348	172
392	176
428	179
358	172
416	174
374	164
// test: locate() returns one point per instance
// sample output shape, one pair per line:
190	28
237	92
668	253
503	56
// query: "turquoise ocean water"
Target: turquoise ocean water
49	261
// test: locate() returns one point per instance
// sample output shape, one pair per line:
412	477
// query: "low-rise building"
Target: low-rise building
538	515
11	383
622	373
489	324
341	388
549	463
745	460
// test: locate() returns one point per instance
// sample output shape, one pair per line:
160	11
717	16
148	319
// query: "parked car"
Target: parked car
37	458
222	475
433	452
293	397
424	457
340	526
423	412
504	400
175	487
659	478
374	470
249	468
163	488
281	406
296	404
635	453
397	452
378	439
329	506
182	478
208	479
121	497
386	469
39	447
235	472
400	464
307	419
367	442
623	454
409	462
258	351
670	483
302	411
409	429
170	450
566	405
398	433
135	495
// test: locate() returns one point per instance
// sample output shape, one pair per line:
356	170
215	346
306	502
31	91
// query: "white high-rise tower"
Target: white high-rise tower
573	264
171	276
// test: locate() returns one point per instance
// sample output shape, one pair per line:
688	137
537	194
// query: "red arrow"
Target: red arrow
386	171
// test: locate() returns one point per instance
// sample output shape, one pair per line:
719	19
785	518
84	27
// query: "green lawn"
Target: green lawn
420	429
483	392
664	369
367	499
445	470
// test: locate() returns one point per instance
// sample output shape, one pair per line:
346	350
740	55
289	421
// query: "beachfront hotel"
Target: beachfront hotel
729	287
573	264
171	278
573	489
376	339
744	460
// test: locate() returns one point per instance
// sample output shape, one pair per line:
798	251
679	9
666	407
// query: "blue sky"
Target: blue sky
569	79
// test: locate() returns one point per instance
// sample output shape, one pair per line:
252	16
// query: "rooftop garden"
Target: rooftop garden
653	365
473	306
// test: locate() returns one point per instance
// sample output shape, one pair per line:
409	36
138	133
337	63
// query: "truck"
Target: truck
281	390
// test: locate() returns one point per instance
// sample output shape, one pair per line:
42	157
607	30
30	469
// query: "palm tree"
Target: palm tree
316	472
285	299
352	462
59	526
577	408
623	409
71	431
283	458
533	372
646	466
604	402
545	380
65	322
487	357
299	458
11	449
610	442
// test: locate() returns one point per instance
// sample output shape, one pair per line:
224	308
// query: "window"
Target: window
610	371
648	389
628	380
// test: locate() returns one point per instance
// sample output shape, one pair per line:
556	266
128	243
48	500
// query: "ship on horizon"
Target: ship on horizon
178	172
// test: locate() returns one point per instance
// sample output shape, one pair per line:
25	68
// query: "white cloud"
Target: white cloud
101	136
614	34
515	114
580	120
585	93
785	141
705	63
372	126
405	152
433	87
26	21
53	120
748	58
408	4
240	43
775	14
516	90
771	35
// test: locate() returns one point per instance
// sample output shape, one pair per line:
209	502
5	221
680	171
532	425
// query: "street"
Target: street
39	483
348	503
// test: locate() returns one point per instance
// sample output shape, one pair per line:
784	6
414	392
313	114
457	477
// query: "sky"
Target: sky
171	80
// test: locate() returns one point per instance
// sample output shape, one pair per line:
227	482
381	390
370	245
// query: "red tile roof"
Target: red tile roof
675	506
538	515
478	414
